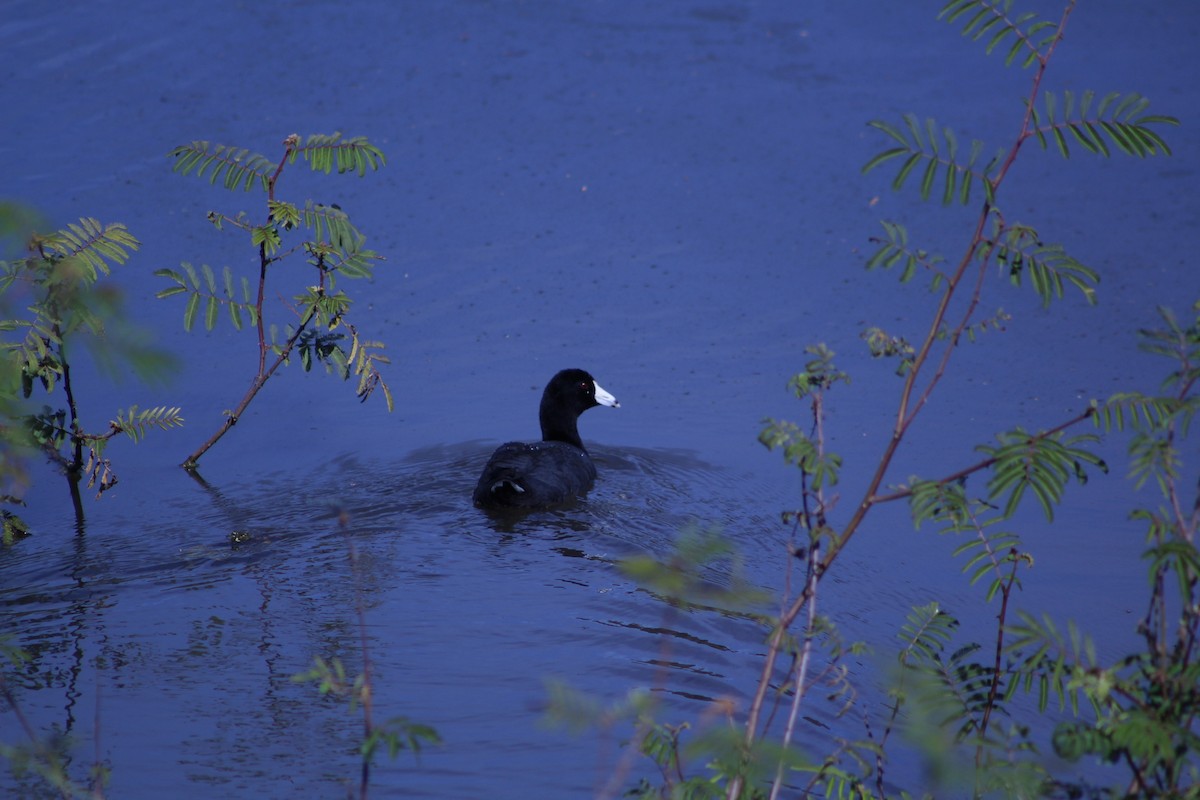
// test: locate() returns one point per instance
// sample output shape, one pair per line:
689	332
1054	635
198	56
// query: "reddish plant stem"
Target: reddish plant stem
904	417
256	385
994	688
801	670
264	372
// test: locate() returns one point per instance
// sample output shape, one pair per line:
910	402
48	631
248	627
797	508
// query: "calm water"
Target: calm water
668	197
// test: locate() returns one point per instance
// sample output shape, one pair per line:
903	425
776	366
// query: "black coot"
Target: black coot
555	470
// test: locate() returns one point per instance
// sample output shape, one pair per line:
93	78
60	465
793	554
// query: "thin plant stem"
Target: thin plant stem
910	403
801	671
76	463
1002	619
366	693
256	385
263	262
264	373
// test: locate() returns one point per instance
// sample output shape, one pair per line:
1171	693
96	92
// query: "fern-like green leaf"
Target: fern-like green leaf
330	225
363	361
939	501
90	244
351	261
329	153
1020	252
210	312
234	167
822	468
926	633
201	286
1058	664
189	312
267	237
894	250
938	151
1121	119
135	423
992	19
1041	465
1135	410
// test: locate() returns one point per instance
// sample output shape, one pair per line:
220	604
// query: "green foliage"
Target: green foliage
58	284
1158	421
989	552
926	634
397	734
202	290
134	423
393	736
894	250
801	449
327	153
938	150
56	281
1019	251
1142	709
569	708
232	166
237	167
90	244
334	248
683	579
932	151
884	345
1042	464
1145	706
993	20
820	373
1054	662
12	527
1119	118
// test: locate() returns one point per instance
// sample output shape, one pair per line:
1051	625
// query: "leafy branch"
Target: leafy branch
1032	37
237	167
91	244
938	150
1019	251
332	244
1040	464
1119	119
895	250
202	289
58	281
1022	463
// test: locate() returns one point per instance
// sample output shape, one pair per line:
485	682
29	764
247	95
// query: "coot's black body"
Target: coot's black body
556	470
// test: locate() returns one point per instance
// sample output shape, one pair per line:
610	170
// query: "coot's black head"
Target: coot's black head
569	394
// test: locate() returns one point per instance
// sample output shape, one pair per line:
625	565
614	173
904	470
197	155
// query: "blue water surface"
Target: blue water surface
666	194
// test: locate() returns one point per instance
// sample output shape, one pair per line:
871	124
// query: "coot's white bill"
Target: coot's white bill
604	398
